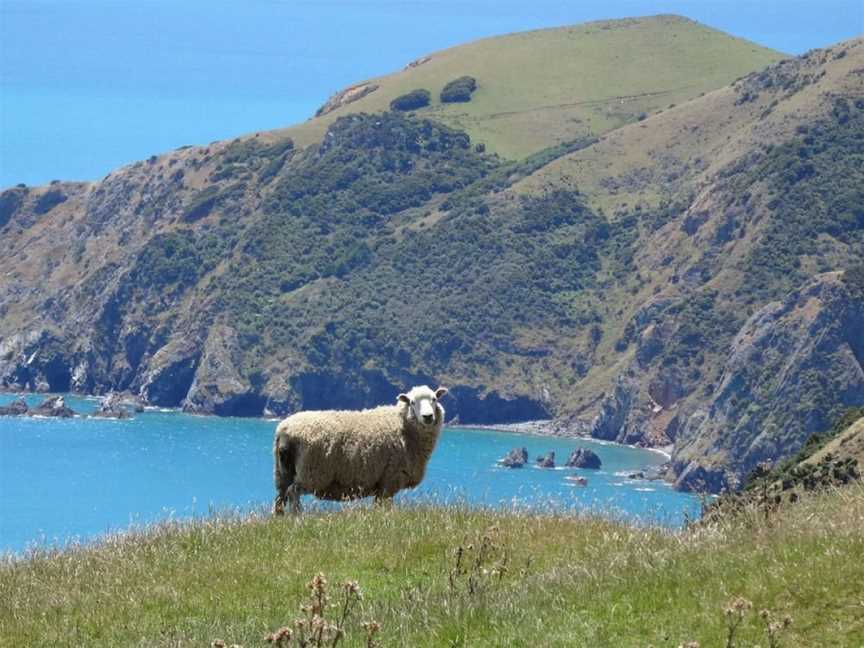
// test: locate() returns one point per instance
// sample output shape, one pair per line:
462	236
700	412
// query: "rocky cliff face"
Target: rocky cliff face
791	371
720	266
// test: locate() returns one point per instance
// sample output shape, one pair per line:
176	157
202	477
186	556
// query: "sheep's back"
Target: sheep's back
346	435
352	449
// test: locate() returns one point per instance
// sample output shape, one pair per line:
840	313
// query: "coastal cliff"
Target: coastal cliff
649	277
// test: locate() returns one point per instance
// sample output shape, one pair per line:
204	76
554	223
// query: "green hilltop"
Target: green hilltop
540	88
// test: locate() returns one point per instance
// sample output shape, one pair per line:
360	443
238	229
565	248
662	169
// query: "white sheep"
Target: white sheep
339	455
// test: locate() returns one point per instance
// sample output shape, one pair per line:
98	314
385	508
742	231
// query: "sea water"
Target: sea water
65	480
89	85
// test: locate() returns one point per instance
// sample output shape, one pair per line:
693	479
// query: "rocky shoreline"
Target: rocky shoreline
121	405
552	428
111	406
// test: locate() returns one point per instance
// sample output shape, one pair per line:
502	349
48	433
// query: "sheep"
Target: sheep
339	455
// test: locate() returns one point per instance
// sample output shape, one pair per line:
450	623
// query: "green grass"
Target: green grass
567	582
605	74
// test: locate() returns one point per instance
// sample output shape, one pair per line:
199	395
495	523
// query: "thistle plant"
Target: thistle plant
774	627
735	612
477	565
314	629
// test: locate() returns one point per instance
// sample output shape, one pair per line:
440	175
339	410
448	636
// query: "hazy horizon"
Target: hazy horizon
89	85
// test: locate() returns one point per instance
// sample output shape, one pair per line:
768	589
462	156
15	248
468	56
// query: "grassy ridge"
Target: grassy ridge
604	74
564	582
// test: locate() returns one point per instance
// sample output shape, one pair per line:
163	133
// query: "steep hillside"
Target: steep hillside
849	444
734	200
541	88
687	278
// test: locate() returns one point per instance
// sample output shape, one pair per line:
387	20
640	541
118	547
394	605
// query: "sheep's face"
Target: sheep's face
423	404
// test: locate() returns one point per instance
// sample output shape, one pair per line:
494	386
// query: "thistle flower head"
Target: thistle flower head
738	606
353	588
371	627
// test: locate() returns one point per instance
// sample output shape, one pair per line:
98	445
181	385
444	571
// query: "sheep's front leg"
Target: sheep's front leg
384	499
293	495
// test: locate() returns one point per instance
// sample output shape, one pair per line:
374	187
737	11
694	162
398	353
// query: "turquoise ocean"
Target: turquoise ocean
89	85
66	480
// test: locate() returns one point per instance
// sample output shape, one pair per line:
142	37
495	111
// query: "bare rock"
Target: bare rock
583	458
516	458
53	406
18	407
546	461
112	407
792	368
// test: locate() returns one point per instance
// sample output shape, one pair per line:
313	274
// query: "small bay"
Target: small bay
64	480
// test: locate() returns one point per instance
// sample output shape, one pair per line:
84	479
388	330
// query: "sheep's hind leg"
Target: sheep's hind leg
284	474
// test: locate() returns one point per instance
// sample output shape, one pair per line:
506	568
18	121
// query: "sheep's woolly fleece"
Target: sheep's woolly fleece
348	454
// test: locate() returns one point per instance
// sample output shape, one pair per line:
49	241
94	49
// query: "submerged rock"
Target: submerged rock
657	472
18	407
112	407
516	458
546	461
577	479
53	406
583	458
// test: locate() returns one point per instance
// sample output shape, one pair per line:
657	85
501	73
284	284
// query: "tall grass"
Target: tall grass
452	576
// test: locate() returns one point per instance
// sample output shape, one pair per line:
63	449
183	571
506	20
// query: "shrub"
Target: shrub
48	201
201	205
412	101
10	201
459	90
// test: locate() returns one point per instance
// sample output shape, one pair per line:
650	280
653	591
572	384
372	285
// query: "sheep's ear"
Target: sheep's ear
404	398
440	392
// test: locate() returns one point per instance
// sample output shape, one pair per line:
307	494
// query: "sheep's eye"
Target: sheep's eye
434	400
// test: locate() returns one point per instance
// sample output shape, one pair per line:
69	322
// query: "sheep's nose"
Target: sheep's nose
427	418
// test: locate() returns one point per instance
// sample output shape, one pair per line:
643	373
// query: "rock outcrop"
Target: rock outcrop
583	458
546	461
346	96
112	407
54	406
18	407
516	458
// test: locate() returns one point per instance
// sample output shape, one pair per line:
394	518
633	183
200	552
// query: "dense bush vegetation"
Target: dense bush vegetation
459	90
411	101
179	259
382	288
816	185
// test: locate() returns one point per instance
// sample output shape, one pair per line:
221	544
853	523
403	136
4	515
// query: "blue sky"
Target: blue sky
88	85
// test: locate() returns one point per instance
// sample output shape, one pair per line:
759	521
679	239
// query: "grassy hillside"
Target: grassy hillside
537	89
849	444
521	580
